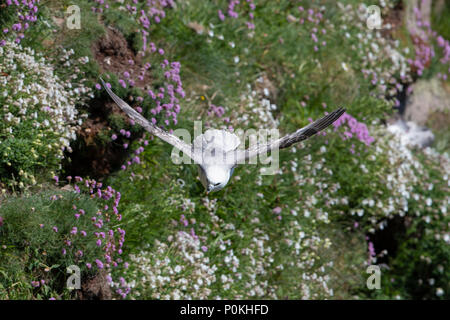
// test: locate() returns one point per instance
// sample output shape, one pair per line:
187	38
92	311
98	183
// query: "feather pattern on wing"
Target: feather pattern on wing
288	140
147	125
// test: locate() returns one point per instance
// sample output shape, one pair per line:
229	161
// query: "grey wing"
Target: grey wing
288	140
160	133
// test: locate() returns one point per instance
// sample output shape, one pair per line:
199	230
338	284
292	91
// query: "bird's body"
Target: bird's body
217	165
217	152
214	177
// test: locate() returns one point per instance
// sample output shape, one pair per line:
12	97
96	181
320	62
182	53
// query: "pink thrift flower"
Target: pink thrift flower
221	15
277	210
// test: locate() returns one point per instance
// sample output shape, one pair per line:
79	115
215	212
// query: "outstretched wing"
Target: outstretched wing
160	133
288	140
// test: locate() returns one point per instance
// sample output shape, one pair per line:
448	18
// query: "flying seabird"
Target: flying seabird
216	151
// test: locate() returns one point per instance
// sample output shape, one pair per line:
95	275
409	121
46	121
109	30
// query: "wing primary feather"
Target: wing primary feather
150	127
290	139
311	129
133	114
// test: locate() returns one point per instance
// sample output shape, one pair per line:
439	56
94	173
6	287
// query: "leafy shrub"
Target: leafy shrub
392	188
43	234
38	116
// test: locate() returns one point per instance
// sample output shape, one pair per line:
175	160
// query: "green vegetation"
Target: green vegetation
351	197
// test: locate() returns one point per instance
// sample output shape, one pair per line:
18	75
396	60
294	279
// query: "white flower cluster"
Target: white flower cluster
382	61
256	110
249	261
36	106
176	269
408	182
314	172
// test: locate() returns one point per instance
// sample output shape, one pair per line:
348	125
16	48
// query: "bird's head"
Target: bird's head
215	187
216	178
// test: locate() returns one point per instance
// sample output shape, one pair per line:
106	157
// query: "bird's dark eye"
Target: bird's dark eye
216	184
